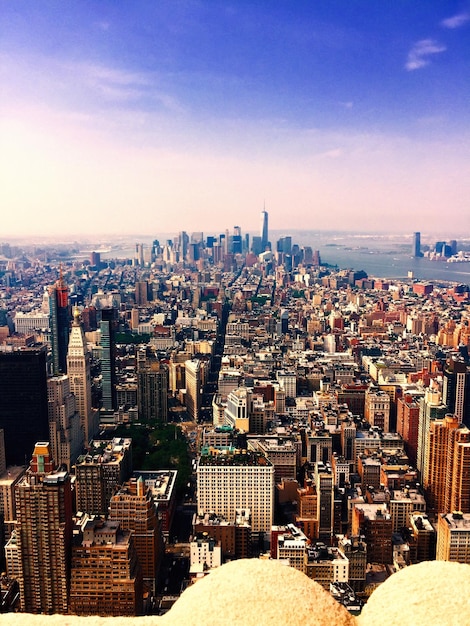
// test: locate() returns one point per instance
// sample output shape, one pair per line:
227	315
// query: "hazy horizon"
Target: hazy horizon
182	114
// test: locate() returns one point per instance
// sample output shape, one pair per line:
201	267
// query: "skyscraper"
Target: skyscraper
65	432
98	474
416	246
106	574
237	480
152	390
78	367
264	230
44	534
60	324
456	389
23	402
431	408
133	507
108	359
193	388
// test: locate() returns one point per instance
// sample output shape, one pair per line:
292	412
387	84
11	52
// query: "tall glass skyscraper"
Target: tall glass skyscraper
108	359
60	324
416	246
23	405
264	230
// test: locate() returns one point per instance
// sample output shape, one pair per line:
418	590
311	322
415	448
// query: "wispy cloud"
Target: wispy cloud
456	21
335	153
420	53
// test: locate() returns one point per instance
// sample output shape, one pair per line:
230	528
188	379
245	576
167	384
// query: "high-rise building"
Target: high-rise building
141	293
264	230
377	408
355	550
8	480
237	480
59	311
234	535
453	537
65	432
445	475
408	421
374	522
456	389
152	390
423	538
324	484
78	368
23	402
44	534
193	388
416	245
108	359
106	577
107	465
162	486
95	260
134	508
431	408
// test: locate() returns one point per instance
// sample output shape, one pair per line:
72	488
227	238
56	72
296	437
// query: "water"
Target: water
381	256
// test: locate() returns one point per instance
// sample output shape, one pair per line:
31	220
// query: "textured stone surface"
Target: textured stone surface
432	593
252	592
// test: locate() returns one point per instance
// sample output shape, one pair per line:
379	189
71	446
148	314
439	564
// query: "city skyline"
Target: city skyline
123	117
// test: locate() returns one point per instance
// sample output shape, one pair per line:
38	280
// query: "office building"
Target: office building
408	422
162	487
264	230
453	537
59	312
416	245
373	521
326	565
292	547
106	466
283	456
324	485
78	369
431	408
377	409
33	321
205	551
106	577
234	535
141	293
423	541
355	550
445	475
236	479
65	431
44	534
8	481
152	390
135	509
456	389
23	405
193	388
404	502
108	359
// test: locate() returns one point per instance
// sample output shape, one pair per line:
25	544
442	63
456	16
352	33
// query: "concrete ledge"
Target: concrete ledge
252	592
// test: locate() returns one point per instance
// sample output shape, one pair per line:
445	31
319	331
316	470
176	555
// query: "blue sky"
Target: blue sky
154	116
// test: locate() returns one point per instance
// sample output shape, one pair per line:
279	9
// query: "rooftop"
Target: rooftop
233	457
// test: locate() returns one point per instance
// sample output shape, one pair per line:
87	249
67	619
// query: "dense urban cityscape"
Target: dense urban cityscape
225	397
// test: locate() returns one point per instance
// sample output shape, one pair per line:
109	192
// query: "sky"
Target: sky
150	116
